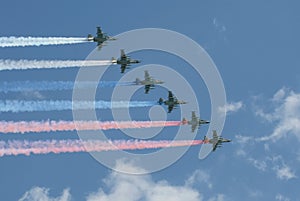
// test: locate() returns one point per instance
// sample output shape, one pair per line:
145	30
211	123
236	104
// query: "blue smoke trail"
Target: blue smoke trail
55	105
21	86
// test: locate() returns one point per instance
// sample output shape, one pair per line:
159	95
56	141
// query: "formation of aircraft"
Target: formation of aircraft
172	102
100	38
149	82
195	122
124	61
216	141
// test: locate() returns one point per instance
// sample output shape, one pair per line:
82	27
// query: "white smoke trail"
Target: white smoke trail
41	64
18	147
51	105
38	41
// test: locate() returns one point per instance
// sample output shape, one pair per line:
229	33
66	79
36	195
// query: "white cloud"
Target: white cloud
270	163
42	194
259	164
142	187
286	115
281	198
284	172
255	193
220	27
266	147
230	107
128	187
219	197
241	139
199	176
279	95
240	152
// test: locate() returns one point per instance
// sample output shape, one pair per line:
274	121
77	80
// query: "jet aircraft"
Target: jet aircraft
195	122
124	61
149	82
216	141
100	38
172	102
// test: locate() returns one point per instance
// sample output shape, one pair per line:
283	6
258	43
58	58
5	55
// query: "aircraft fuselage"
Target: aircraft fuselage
127	61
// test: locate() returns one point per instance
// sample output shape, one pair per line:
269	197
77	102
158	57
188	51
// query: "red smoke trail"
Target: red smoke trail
50	126
16	147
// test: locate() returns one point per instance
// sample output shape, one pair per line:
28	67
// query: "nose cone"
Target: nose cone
159	82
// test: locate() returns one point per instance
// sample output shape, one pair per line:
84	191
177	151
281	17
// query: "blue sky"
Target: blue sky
253	44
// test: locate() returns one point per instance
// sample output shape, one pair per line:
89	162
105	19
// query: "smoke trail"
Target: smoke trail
16	147
38	41
44	106
42	64
48	126
21	86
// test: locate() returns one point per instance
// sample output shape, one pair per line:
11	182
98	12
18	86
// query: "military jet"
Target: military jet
124	61
195	121
172	102
149	82
100	38
216	141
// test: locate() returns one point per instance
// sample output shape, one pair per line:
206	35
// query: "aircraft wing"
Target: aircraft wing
147	88
147	76
194	126
170	108
215	140
99	44
194	117
123	68
171	97
123	55
215	135
215	145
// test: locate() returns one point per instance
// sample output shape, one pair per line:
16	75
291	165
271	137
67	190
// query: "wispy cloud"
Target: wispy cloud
275	164
199	176
280	197
283	171
286	115
259	164
219	197
39	193
218	25
230	107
